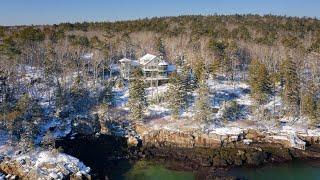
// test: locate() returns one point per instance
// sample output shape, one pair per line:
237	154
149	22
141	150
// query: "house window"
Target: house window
162	74
148	74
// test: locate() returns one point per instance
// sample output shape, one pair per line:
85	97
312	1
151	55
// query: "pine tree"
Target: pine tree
160	47
188	82
232	111
259	81
199	68
214	68
176	95
309	103
51	69
4	96
317	120
291	92
59	96
80	98
308	107
107	94
203	104
137	96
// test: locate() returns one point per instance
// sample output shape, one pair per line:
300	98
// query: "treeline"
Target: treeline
260	29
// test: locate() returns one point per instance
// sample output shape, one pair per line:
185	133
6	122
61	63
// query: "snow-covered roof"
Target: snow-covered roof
125	60
132	62
147	58
163	63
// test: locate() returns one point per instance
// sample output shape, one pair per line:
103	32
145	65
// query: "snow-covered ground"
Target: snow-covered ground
45	164
222	92
50	164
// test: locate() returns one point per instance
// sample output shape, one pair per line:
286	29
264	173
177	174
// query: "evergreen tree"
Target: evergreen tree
317	120
137	96
203	104
309	103
259	81
59	96
199	69
232	111
214	67
79	95
5	97
160	47
188	82
107	94
176	95
291	85
308	107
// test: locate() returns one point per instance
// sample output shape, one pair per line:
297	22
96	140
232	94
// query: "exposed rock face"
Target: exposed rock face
249	147
85	125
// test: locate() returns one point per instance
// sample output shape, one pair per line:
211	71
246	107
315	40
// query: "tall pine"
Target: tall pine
290	79
176	95
309	104
137	96
259	81
203	104
317	120
188	81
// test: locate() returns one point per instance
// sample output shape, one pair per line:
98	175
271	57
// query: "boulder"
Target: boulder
132	141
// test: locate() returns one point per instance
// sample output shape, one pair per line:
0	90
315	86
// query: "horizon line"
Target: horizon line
169	16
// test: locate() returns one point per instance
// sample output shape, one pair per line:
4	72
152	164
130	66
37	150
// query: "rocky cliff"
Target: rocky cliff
216	149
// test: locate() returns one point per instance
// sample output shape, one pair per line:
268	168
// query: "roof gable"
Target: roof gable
147	58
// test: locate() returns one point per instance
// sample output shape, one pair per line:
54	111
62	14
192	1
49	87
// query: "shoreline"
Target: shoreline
203	160
204	153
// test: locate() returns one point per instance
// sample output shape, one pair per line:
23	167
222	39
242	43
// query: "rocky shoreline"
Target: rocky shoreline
247	148
197	151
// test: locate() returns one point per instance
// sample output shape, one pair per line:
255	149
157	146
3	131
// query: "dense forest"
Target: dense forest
276	55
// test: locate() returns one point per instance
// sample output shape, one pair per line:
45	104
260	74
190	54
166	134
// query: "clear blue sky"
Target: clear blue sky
18	12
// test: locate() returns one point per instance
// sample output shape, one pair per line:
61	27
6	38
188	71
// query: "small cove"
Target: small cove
108	157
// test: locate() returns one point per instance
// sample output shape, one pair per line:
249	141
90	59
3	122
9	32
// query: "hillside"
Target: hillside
232	74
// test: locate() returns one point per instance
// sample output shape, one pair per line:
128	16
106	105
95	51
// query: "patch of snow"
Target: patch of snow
227	131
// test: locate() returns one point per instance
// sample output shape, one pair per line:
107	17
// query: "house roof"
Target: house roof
125	60
132	62
147	58
163	63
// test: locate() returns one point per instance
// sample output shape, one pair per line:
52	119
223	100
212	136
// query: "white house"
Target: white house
155	69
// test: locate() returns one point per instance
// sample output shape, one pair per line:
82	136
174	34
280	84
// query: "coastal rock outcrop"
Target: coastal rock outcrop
43	165
221	147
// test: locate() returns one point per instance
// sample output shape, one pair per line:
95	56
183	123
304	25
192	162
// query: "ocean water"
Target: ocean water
145	170
295	170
